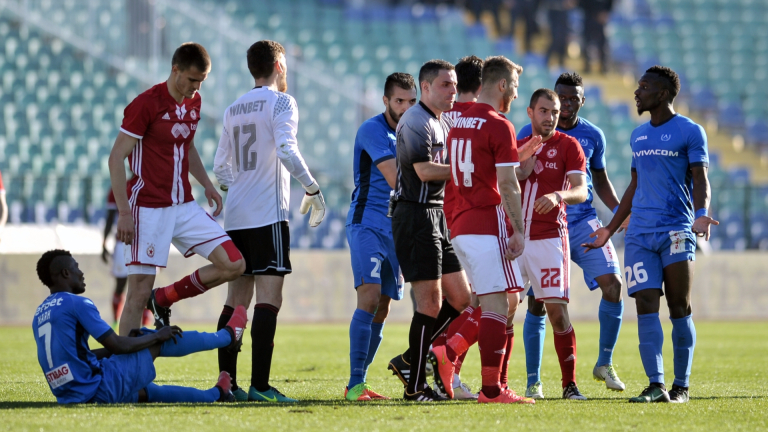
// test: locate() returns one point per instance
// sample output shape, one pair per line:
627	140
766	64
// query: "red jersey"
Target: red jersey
480	140
559	156
160	159
450	193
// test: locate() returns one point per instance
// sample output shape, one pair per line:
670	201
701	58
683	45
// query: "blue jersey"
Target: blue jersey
592	141
375	142
663	156
62	325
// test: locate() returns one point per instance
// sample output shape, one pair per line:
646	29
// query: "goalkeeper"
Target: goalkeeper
257	151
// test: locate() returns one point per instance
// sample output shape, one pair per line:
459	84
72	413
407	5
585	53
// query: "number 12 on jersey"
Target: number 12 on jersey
248	160
461	155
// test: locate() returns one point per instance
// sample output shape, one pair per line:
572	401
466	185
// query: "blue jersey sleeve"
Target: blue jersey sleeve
697	147
597	161
524	132
88	316
377	145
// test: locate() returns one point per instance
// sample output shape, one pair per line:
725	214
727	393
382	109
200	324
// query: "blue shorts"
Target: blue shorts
596	262
646	255
123	376
374	260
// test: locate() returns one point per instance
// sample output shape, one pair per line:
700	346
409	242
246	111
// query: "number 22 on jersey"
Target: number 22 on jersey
461	155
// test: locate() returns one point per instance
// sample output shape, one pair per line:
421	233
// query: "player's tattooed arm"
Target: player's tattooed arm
701	196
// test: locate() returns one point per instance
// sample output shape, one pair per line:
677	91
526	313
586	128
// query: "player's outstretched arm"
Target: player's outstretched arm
527	150
602	235
509	188
126	345
123	147
701	197
430	171
197	169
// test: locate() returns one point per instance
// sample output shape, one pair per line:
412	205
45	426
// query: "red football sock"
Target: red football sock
188	286
459	361
465	336
507	353
565	345
453	327
117	305
492	341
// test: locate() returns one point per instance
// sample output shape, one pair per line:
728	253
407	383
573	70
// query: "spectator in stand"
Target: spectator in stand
596	15
525	9
557	11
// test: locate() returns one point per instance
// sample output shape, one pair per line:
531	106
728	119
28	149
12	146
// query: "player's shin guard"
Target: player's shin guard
565	345
227	357
188	286
651	338
683	343
263	336
191	342
359	342
610	315
174	394
377	335
419	340
492	341
507	354
534	331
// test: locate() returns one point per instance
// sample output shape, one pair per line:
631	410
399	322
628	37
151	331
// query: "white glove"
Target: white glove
314	199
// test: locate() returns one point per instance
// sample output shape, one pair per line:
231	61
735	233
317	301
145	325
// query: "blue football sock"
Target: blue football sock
172	394
651	338
609	314
377	334
683	342
193	342
534	331
359	341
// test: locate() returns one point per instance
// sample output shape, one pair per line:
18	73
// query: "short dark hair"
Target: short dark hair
262	57
44	265
669	77
499	67
542	92
400	79
191	54
469	72
431	69
570	79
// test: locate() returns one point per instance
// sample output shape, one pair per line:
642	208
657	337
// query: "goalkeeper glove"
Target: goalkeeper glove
314	199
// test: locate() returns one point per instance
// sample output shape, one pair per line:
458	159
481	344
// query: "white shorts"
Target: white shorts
187	226
545	264
119	270
488	272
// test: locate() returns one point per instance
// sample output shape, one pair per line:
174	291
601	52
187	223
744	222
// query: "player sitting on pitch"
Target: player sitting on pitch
64	322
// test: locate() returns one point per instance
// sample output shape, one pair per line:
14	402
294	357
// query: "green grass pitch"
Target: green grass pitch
729	388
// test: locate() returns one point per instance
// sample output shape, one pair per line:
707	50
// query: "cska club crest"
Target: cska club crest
151	250
551	153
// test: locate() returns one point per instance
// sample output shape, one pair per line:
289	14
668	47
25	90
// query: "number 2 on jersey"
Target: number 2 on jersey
246	162
44	331
461	154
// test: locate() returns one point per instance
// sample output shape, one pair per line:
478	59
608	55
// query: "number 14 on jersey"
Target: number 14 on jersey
461	161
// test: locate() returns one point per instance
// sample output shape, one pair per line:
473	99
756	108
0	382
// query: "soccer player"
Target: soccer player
668	197
425	253
122	372
554	178
158	134
601	268
483	155
378	279
3	206
257	155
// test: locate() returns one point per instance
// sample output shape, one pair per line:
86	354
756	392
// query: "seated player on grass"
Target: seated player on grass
122	372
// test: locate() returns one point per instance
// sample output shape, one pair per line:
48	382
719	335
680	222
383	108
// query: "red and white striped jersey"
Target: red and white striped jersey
160	159
559	156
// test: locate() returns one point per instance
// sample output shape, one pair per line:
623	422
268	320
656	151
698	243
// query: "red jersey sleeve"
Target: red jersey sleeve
575	161
136	117
504	145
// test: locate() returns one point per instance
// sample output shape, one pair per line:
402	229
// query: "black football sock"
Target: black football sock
444	318
262	335
227	358
421	326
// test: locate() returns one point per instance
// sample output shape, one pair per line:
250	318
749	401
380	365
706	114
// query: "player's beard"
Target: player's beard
393	115
506	102
282	83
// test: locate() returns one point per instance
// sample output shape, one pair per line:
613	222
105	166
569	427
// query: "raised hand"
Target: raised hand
525	151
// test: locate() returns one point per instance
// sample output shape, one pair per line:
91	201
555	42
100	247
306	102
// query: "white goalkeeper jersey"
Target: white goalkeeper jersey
257	152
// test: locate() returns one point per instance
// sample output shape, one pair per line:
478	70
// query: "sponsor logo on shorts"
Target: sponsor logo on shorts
59	376
151	250
678	242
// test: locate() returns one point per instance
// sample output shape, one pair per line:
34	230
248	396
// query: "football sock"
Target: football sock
171	394
419	339
651	338
188	286
468	330
227	358
148	318
192	342
507	353
454	327
444	318
359	342
534	331
262	336
377	335
565	345
683	342
492	340
117	305
609	314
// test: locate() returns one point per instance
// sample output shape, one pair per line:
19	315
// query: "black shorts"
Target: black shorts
422	244
266	249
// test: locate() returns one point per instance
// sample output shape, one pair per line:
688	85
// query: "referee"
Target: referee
422	244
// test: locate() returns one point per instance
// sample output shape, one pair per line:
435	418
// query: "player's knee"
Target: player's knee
234	265
612	290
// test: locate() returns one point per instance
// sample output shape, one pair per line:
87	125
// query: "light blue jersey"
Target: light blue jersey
592	141
375	142
662	157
